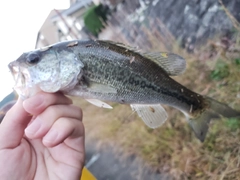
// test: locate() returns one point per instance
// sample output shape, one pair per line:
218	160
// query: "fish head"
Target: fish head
49	70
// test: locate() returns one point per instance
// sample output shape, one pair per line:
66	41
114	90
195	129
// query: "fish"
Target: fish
106	71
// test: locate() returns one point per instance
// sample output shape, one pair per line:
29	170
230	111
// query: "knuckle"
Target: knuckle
56	98
64	122
58	111
53	111
78	111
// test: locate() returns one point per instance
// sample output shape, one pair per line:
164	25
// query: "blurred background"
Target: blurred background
207	34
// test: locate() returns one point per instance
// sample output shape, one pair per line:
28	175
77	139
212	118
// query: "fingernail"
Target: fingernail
33	127
51	136
34	101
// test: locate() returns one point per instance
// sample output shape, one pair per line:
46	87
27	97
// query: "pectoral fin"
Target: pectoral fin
101	88
99	103
153	115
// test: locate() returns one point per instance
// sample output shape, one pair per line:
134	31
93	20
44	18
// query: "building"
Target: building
67	24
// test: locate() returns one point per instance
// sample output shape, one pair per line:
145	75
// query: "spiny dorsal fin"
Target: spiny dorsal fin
172	63
127	47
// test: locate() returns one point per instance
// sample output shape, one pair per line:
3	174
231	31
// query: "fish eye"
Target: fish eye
33	58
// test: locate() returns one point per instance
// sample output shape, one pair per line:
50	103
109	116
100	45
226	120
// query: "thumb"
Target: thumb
13	125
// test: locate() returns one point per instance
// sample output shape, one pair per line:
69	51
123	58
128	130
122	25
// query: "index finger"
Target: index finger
38	103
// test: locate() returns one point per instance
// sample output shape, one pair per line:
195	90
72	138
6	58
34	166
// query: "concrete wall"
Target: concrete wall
191	22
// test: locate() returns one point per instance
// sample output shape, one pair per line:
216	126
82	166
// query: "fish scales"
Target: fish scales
109	71
109	64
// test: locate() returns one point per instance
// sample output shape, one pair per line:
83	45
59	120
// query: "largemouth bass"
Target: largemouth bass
107	71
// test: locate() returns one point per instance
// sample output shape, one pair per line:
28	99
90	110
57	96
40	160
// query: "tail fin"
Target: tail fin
215	109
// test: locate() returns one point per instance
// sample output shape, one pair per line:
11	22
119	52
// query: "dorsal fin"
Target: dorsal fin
127	47
172	63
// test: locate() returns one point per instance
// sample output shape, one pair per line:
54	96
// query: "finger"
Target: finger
62	129
38	103
43	122
13	125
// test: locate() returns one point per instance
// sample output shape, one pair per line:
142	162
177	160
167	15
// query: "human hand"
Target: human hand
47	145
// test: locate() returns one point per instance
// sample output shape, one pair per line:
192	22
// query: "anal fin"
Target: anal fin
153	115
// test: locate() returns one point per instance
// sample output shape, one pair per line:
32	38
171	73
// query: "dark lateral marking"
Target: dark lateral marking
106	75
143	84
88	45
131	80
194	103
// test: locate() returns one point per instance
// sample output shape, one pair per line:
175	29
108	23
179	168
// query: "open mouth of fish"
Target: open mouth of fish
21	77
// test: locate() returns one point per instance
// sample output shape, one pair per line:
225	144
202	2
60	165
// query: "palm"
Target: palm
62	161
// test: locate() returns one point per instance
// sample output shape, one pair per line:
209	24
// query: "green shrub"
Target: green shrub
237	61
95	18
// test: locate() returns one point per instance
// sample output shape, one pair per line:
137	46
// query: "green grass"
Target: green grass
233	124
220	72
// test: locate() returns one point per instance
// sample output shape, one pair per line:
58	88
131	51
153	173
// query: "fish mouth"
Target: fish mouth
15	71
20	76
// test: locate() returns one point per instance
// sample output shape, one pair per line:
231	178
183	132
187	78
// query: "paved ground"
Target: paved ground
106	165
